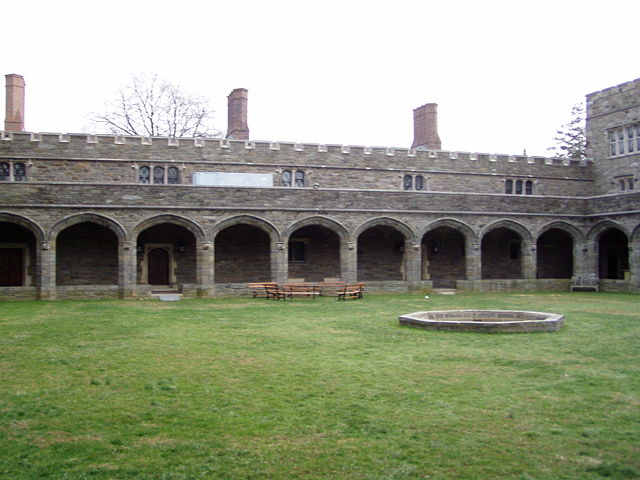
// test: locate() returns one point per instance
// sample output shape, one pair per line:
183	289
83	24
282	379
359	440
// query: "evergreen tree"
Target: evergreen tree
571	139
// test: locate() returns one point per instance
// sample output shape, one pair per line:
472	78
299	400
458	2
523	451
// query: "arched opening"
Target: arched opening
501	254
381	254
555	254
314	254
17	255
443	257
166	256
242	254
86	254
613	254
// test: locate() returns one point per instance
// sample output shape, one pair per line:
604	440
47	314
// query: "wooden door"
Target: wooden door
158	262
11	263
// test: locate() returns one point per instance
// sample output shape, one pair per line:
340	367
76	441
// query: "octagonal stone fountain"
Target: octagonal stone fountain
487	321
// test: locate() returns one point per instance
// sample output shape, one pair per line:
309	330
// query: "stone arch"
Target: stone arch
401	227
381	245
610	242
503	250
315	249
243	246
254	221
20	250
575	232
458	225
184	222
556	245
635	235
511	225
332	225
85	253
600	228
24	222
98	219
446	246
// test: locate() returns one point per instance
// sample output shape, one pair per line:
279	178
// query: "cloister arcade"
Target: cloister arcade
94	253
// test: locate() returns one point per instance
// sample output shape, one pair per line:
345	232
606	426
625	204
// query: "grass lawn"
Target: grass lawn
303	389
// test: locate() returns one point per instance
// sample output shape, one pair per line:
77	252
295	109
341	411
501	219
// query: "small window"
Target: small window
285	179
144	174
518	187
297	251
299	178
419	182
158	174
528	187
407	182
508	186
622	185
173	175
5	171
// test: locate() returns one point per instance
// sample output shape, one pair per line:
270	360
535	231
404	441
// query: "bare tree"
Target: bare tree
571	139
151	106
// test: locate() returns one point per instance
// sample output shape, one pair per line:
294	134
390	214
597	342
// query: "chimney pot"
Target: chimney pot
14	117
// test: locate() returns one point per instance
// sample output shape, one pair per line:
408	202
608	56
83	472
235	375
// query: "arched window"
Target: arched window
5	171
173	175
144	174
407	182
285	179
419	182
508	186
518	187
528	187
19	172
158	174
299	178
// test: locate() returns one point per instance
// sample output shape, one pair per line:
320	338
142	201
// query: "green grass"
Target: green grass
256	389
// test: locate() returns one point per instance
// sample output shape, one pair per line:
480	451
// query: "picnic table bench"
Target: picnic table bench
353	291
259	289
301	289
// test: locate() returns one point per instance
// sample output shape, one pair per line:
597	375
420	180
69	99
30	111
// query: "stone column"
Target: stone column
634	266
47	283
348	261
205	262
529	267
127	258
279	263
473	261
412	261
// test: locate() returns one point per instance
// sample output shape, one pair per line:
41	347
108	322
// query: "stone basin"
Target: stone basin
488	321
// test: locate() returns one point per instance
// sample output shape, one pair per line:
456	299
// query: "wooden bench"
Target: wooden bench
330	288
301	290
354	291
259	289
274	292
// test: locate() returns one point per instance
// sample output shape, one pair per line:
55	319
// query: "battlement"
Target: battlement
48	143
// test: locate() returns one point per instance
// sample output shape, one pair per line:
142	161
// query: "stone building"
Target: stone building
98	216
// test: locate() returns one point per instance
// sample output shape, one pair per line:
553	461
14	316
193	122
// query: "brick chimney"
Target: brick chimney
425	127
14	118
237	128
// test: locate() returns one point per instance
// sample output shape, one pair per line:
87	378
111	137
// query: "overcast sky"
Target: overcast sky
504	74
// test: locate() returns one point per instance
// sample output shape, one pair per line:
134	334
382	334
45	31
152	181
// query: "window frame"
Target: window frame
624	140
13	166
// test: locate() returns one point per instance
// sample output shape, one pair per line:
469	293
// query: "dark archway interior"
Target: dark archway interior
501	254
317	250
380	254
242	254
180	240
443	257
87	254
555	254
14	258
613	254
